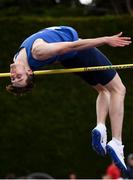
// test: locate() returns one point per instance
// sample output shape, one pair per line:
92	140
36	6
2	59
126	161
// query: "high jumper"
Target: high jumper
62	44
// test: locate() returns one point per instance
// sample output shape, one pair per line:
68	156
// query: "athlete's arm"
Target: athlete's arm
42	50
114	41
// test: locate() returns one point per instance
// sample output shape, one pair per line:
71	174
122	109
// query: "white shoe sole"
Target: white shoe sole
115	159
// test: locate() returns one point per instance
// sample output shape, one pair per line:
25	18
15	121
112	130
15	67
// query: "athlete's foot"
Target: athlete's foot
115	151
99	139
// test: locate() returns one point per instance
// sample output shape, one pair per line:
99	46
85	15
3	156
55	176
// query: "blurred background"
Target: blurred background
63	8
49	130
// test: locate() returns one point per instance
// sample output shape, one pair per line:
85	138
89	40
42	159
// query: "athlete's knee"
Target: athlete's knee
118	89
104	94
116	86
123	89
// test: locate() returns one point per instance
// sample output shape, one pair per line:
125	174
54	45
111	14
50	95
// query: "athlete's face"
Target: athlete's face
19	75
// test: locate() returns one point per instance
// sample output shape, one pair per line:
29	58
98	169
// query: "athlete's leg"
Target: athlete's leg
111	99
99	135
116	112
102	103
114	102
116	108
112	82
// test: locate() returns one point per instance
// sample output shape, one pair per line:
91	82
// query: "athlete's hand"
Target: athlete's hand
118	41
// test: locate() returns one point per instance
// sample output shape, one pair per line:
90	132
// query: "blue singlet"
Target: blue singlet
50	35
83	58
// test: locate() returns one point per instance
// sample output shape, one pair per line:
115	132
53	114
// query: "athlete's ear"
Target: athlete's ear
30	72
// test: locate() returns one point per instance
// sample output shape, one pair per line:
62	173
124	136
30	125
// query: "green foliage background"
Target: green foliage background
49	130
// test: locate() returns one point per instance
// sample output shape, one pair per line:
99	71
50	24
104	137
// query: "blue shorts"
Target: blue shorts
87	58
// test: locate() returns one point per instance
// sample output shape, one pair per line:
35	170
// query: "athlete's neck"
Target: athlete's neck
22	59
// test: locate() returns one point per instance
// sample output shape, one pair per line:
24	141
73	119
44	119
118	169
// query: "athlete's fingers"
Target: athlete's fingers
125	38
123	44
128	42
124	41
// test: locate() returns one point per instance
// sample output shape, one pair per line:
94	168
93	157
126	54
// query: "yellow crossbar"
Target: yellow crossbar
74	70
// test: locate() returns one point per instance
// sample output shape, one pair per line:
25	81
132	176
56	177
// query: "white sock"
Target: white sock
117	141
101	126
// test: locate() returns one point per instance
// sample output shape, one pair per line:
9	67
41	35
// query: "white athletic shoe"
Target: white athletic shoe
115	151
99	139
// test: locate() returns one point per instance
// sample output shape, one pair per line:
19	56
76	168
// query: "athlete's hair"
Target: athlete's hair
19	91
